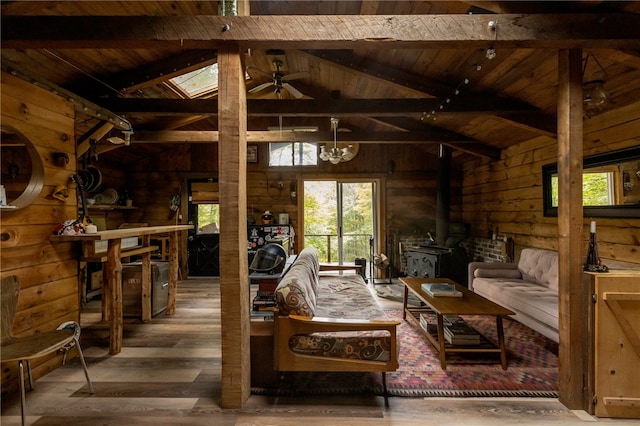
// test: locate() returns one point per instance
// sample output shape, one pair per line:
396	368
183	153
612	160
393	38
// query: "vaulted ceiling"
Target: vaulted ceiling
477	76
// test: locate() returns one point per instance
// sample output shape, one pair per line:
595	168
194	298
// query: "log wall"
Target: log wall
409	184
47	272
507	194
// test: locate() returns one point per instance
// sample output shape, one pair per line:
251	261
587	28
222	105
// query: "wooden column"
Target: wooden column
234	269
173	271
572	308
145	278
114	286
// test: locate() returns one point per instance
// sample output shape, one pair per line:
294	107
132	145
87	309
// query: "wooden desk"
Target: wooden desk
113	270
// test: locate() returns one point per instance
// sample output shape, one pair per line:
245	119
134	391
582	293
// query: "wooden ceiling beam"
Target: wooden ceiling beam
266	136
543	6
323	31
452	140
92	137
303	107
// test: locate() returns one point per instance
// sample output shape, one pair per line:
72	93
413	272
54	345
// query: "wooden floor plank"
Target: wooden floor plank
169	373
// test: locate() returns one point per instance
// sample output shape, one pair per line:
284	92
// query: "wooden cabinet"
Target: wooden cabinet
613	383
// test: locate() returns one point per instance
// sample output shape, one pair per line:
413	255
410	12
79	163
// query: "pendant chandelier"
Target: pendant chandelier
335	154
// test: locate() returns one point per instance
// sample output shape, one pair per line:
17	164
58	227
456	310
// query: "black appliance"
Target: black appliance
437	262
204	255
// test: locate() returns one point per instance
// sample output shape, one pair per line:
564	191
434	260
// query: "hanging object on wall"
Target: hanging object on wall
60	192
593	94
174	203
339	152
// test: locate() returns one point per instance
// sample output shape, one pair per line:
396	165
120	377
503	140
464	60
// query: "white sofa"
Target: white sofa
529	288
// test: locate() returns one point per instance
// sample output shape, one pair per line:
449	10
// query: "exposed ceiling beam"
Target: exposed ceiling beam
323	31
305	107
542	6
207	136
460	142
92	137
542	124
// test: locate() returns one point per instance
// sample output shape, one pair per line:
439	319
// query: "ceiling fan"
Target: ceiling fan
280	81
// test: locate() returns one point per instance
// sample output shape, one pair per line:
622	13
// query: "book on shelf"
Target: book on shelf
264	301
429	322
441	290
461	334
262	315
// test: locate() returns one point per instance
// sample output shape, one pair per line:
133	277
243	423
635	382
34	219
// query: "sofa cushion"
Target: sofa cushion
497	273
348	297
539	266
351	346
296	293
521	296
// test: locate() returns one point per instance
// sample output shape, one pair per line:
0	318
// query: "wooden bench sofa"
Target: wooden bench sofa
330	323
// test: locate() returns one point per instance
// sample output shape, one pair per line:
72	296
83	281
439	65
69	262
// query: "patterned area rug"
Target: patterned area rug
532	369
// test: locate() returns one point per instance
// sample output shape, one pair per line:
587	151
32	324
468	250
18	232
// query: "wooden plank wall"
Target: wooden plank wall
507	194
409	184
48	272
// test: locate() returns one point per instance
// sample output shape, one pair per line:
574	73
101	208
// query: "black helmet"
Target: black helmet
270	259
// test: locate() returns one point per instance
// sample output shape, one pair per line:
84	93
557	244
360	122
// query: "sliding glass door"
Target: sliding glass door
340	219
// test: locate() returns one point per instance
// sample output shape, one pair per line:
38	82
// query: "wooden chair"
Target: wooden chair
23	349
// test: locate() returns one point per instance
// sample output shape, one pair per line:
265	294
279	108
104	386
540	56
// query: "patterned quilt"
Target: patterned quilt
346	297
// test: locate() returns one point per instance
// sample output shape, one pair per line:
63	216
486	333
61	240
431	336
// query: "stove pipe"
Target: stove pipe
443	202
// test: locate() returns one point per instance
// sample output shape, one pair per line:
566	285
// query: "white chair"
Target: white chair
23	349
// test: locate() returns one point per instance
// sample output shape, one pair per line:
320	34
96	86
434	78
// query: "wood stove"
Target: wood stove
437	262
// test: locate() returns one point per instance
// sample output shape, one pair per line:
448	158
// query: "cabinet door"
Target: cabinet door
617	346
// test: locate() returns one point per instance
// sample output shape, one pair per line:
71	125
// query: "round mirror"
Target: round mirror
21	170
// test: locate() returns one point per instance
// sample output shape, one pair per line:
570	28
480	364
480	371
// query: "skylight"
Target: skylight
197	83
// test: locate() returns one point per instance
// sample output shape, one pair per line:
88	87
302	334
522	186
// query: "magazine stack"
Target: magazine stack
461	334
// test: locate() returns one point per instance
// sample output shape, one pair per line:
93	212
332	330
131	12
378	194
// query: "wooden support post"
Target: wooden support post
234	269
173	272
572	306
114	268
145	277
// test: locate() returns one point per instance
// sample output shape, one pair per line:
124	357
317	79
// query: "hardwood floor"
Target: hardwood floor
169	374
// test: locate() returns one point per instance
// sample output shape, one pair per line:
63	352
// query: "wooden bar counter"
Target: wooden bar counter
112	294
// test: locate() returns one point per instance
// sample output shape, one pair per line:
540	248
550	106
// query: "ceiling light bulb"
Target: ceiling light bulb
324	155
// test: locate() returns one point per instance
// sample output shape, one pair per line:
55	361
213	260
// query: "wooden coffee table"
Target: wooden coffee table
469	304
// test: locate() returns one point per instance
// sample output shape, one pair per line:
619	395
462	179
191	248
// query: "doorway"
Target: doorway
340	219
203	242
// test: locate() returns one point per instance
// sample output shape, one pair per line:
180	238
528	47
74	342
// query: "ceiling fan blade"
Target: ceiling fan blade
261	87
295	76
295	92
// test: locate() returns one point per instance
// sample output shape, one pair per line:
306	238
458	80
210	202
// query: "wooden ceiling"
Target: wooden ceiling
381	66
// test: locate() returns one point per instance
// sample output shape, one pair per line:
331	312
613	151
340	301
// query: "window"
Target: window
597	189
293	154
208	218
197	83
